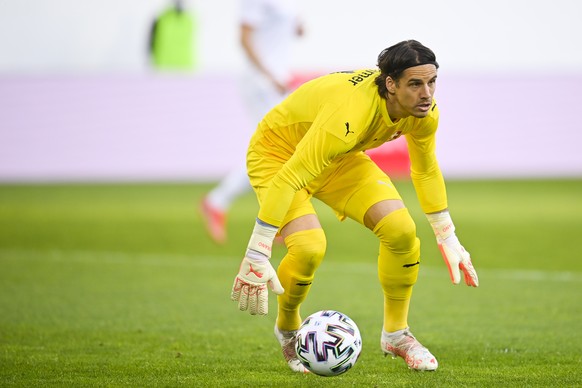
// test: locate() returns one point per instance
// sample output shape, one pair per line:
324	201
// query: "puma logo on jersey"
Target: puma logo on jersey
348	129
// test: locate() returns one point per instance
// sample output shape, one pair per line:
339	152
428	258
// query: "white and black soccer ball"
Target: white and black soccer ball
328	343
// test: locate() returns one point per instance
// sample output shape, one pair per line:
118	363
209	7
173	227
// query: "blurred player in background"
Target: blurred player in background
312	145
172	39
268	29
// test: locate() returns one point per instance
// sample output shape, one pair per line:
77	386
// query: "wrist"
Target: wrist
256	257
442	224
261	240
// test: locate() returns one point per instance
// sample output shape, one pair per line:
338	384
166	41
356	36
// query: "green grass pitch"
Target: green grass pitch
117	285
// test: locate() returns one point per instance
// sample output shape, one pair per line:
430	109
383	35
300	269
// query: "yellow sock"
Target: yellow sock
296	272
398	265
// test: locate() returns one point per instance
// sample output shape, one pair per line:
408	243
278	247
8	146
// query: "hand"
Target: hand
250	285
457	259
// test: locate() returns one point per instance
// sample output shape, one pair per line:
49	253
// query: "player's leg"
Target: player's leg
305	242
306	245
304	239
215	205
398	266
374	202
363	192
398	258
399	251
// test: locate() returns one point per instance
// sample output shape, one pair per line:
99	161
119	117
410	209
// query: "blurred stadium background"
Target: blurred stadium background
79	100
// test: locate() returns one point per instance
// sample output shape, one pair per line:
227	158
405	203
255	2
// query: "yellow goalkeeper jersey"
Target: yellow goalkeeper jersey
331	118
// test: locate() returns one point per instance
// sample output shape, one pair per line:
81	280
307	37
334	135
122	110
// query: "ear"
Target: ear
390	85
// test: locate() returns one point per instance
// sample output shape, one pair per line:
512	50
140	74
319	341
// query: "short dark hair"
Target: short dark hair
399	57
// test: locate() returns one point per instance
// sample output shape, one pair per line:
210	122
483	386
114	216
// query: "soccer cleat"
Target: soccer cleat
214	221
402	343
287	340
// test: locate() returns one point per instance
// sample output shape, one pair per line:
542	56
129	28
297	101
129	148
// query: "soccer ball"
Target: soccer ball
328	343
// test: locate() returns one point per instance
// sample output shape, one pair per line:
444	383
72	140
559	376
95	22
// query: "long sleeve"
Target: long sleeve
425	172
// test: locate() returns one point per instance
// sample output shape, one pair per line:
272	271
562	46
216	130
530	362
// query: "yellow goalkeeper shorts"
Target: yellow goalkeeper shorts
350	186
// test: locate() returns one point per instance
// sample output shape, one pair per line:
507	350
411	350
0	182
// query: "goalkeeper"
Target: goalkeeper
312	145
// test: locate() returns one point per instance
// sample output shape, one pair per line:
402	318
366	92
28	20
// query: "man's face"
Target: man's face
412	94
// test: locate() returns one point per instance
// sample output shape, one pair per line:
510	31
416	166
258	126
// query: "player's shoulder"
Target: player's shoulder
354	78
352	88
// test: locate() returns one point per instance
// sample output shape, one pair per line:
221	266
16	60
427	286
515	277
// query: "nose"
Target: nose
426	91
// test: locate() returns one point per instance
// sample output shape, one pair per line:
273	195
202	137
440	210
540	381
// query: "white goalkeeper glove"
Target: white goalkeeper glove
456	257
256	273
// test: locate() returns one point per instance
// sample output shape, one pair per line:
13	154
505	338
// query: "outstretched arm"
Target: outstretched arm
430	188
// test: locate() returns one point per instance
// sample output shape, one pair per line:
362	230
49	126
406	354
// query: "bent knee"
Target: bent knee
307	246
397	231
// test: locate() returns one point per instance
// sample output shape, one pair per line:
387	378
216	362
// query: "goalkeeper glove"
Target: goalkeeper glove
456	257
256	273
